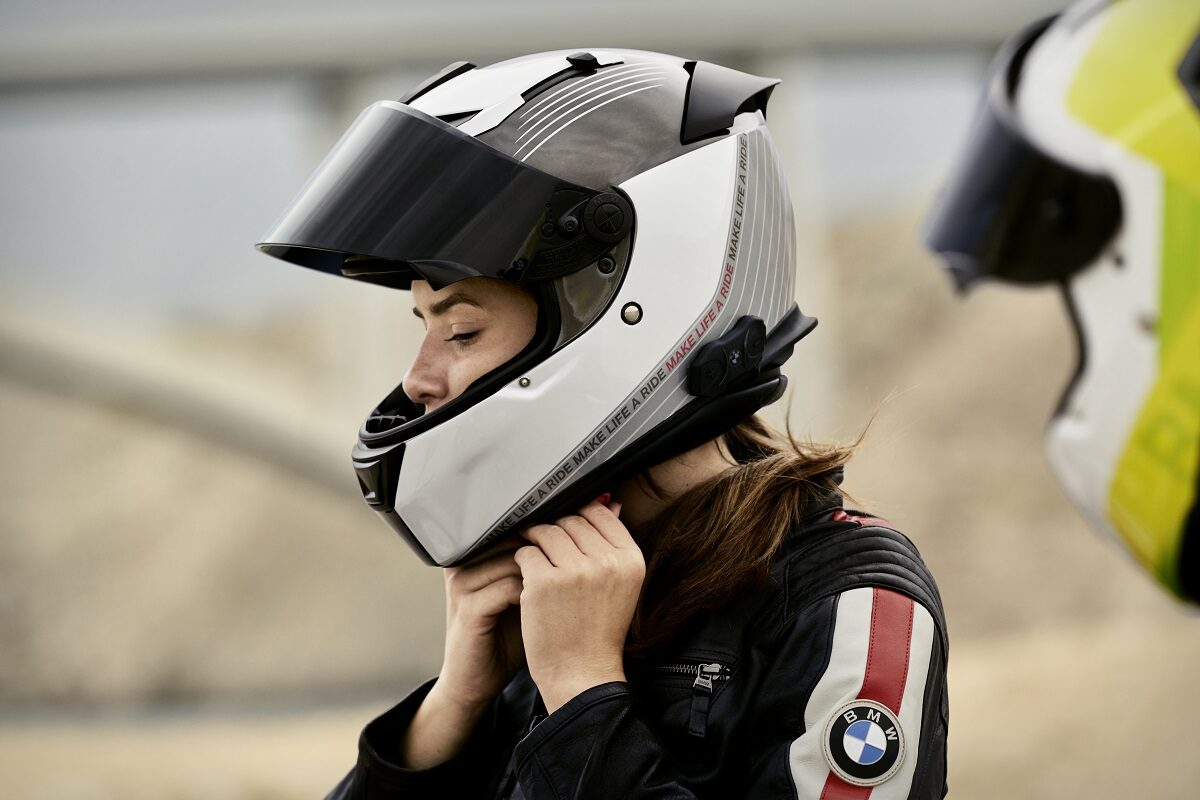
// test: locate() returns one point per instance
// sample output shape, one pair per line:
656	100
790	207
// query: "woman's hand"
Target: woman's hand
483	652
483	629
582	577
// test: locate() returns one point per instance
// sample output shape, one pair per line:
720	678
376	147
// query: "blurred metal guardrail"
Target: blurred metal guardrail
150	385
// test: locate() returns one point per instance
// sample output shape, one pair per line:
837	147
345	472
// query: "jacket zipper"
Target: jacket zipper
702	690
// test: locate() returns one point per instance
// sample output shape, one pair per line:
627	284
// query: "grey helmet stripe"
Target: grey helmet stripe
540	123
780	266
787	235
553	115
760	226
563	96
768	264
584	114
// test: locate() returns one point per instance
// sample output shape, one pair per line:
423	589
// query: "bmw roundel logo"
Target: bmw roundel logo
864	743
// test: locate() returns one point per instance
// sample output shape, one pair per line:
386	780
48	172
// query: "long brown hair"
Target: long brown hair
715	541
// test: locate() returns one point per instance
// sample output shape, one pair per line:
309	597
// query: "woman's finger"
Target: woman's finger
607	525
474	577
584	534
532	561
493	599
559	548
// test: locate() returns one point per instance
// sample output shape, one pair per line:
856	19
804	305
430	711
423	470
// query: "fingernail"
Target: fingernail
604	499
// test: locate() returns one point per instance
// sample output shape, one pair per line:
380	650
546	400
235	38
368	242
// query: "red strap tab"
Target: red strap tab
838	789
841	515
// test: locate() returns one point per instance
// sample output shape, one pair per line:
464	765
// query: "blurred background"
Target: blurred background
195	602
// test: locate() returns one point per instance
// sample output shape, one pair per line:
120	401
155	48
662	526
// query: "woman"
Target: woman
648	594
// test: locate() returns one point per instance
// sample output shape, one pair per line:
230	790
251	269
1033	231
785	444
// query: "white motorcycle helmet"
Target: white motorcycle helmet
640	197
1084	169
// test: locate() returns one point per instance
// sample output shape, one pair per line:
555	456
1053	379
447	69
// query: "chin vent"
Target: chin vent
382	423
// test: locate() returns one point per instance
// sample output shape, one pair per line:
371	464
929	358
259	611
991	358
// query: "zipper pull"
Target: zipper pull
702	690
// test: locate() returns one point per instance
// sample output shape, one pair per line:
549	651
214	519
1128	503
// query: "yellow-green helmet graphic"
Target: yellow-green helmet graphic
1084	170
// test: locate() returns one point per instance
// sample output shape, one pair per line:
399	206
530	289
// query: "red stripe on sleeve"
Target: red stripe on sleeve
889	649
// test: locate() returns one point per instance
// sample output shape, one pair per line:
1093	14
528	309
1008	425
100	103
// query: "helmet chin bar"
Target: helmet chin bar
377	472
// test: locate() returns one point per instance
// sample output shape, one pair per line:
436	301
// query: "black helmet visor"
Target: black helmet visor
404	195
1010	210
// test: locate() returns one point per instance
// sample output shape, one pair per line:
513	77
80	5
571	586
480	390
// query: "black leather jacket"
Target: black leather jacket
830	683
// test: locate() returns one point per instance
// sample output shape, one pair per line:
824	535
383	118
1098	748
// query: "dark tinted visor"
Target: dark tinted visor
404	195
1011	211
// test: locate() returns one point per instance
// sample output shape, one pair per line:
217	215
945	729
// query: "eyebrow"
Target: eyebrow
445	304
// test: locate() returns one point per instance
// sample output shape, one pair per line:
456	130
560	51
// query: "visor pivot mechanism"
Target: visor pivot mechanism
576	230
607	218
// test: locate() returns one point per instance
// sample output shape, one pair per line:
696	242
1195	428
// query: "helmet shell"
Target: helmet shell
663	337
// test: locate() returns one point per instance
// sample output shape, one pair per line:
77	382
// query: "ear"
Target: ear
715	95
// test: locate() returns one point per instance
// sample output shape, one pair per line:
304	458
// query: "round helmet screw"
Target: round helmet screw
524	382
631	313
570	225
606	265
548	229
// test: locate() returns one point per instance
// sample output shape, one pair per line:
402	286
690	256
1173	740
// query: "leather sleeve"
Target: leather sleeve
377	774
597	746
854	704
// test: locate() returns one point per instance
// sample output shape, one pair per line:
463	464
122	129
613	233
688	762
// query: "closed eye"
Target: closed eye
464	338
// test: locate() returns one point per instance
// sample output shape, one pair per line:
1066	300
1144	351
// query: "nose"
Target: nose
425	382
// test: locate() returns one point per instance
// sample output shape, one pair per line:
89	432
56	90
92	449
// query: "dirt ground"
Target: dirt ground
182	619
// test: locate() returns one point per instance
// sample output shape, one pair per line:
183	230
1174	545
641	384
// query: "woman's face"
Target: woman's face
471	327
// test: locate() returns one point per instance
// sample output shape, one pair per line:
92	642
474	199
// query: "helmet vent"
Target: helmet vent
382	423
580	64
449	72
457	119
